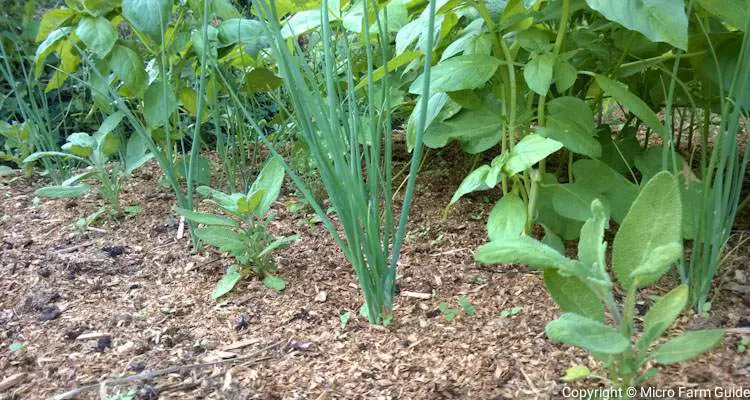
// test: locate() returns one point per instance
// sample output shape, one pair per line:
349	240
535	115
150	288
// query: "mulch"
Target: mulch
128	298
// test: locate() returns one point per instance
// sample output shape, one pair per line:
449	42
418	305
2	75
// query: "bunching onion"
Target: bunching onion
723	174
349	135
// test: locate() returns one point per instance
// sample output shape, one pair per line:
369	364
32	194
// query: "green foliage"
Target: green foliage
243	229
466	306
642	254
449	313
96	152
510	312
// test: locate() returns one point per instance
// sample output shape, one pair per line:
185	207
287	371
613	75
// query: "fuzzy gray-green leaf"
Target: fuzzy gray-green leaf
586	333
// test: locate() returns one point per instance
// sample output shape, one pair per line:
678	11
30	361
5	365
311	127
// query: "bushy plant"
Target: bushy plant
242	228
646	246
95	152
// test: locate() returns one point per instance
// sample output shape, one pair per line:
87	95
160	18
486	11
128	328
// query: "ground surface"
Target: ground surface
86	316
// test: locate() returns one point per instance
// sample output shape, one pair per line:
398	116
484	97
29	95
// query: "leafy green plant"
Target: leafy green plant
17	146
744	343
463	301
95	151
349	135
449	313
647	244
510	312
17	347
243	229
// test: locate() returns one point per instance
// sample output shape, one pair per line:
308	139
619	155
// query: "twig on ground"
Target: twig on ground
153	374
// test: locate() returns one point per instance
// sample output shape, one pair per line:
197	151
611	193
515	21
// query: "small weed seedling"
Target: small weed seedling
449	313
744	343
243	229
466	306
510	312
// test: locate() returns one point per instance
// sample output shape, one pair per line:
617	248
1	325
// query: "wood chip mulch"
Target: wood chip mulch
128	303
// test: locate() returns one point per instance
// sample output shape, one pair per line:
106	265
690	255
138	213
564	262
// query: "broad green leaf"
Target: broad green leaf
159	103
240	31
282	241
571	123
575	373
227	282
249	203
98	34
572	295
658	20
535	40
110	123
58	192
552	240
128	66
477	131
435	104
222	199
662	315
735	12
204	218
507	218
565	228
529	151
136	153
219	8
69	61
482	178
108	143
269	180
573	200
98	7
586	333
565	75
224	238
687	346
654	220
212	43
458	73
538	73
260	80
301	23
47	47
80	144
591	247
632	102
51	20
657	263
393	64
618	192
524	250
148	16
274	282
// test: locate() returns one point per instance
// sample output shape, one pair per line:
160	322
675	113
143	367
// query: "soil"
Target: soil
127	297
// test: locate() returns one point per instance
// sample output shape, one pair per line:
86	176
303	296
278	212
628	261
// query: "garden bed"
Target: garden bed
85	313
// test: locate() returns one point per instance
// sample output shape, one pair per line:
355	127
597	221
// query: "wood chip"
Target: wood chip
321	297
416	295
240	344
92	335
12	381
181	229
